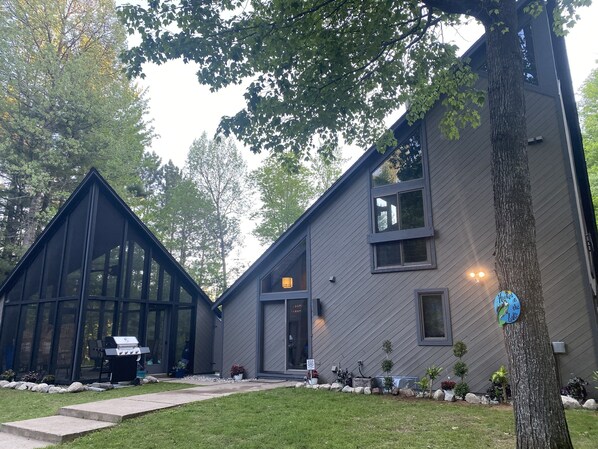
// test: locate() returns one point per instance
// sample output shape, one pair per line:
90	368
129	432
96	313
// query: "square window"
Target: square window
401	253
433	318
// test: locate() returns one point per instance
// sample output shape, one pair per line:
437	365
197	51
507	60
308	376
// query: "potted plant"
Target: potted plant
179	369
237	371
500	377
312	377
449	389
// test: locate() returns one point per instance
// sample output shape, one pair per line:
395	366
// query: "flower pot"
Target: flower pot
312	381
179	373
449	395
238	377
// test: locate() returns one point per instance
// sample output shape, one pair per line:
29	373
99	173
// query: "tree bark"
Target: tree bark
539	416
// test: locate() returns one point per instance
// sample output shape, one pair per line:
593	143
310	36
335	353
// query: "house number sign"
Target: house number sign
311	364
507	307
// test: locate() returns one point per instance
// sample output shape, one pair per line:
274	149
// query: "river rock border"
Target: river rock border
75	387
439	395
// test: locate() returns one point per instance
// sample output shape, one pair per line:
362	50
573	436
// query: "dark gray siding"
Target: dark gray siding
239	322
217	346
274	336
204	334
364	309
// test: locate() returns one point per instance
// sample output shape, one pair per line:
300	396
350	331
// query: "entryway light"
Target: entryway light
477	276
287	282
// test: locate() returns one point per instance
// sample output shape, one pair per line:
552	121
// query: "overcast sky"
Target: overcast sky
181	109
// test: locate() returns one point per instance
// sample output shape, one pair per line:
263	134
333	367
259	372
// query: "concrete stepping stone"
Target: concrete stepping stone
53	429
10	441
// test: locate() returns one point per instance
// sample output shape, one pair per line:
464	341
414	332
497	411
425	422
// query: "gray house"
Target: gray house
388	252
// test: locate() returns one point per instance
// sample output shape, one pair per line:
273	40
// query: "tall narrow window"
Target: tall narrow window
402	219
433	318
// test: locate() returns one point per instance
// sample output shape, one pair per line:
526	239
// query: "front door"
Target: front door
285	338
157	339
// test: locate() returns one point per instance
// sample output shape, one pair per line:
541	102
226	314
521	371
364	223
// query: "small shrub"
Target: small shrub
31	376
8	375
344	377
423	384
459	349
460	369
433	372
387	365
576	388
500	378
461	390
49	379
448	384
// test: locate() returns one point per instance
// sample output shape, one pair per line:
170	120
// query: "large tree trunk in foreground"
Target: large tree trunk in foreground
539	415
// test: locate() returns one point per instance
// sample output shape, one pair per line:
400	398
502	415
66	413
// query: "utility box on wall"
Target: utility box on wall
558	347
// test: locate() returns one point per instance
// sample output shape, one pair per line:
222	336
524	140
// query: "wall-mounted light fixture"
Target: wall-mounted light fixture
287	282
477	276
316	307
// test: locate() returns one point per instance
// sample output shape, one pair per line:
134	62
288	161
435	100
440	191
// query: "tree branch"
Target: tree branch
472	8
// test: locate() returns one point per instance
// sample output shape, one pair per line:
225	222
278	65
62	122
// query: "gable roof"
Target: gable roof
572	124
94	177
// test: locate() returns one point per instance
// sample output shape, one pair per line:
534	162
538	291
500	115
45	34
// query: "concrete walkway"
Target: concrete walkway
76	420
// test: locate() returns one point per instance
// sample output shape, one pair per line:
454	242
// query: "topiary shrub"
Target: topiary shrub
461	390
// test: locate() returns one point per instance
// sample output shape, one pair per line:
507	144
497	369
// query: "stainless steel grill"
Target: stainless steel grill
123	353
124	346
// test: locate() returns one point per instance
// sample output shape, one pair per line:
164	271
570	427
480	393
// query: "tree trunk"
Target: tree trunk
31	223
539	415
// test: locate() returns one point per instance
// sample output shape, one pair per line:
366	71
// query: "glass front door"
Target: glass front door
285	335
157	339
297	336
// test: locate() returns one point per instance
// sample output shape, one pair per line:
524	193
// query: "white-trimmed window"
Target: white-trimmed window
402	231
433	317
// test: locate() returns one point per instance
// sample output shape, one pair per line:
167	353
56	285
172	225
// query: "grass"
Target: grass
19	405
306	419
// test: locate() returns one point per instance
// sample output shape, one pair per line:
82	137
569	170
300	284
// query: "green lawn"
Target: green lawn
306	419
19	405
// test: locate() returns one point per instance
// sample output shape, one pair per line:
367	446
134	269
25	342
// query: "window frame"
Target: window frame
447	340
422	184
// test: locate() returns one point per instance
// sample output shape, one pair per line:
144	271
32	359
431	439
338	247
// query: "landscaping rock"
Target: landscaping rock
395	391
96	389
438	395
10	385
104	385
299	385
569	402
484	400
591	404
3	383
43	388
324	387
407	392
75	387
376	390
347	389
358	390
151	379
54	390
367	390
336	386
472	398
22	387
